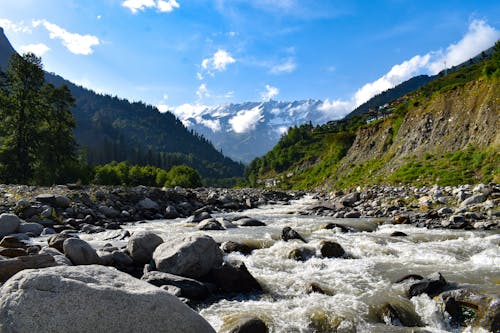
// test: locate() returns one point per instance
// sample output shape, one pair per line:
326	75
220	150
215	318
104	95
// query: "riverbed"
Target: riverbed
355	287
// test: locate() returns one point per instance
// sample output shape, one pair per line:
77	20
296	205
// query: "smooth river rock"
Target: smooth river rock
80	252
191	257
91	299
141	246
9	223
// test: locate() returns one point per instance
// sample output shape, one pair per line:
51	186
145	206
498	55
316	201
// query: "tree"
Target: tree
184	176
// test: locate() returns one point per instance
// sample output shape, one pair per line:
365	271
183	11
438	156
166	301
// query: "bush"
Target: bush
184	176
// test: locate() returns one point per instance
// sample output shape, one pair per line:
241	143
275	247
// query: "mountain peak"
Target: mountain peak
6	49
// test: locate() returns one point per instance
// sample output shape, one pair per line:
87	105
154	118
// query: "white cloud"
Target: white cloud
213	124
396	75
199	76
14	27
136	5
167	6
269	93
75	43
246	120
335	109
202	91
38	49
163	107
479	37
287	66
99	17
218	61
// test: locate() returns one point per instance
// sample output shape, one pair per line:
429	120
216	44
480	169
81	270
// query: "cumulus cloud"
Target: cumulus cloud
479	37
218	61
167	6
213	124
164	6
189	113
246	120
75	43
202	91
13	26
396	75
38	49
270	93
288	66
335	109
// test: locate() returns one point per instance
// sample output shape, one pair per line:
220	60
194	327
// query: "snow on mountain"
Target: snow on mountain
248	130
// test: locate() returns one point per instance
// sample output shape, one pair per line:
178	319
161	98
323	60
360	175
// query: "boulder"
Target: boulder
171	213
46	198
246	325
352	215
398	234
301	254
189	288
199	217
91	299
62	201
12	252
475	199
288	234
80	252
233	277
350	199
148	204
399	315
231	246
249	222
9	267
210	224
141	246
9	223
193	256
108	211
60	259
331	249
56	241
13	242
431	287
32	227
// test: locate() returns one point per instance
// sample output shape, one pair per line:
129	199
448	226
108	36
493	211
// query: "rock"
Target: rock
9	267
342	228
13	242
12	252
249	222
59	258
445	211
398	234
410	277
431	287
301	254
246	325
46	198
109	211
141	246
35	228
191	257
331	249
189	288
9	223
231	246
80	252
350	199
148	204
199	217
210	224
233	277
62	201
475	199
171	213
352	214
48	231
288	234
107	301
56	241
397	315
401	219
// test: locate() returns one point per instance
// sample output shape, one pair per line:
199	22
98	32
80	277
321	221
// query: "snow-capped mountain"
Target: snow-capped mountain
248	130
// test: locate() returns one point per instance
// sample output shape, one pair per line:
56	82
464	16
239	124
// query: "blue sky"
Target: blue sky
182	54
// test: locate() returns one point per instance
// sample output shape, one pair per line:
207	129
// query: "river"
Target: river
356	288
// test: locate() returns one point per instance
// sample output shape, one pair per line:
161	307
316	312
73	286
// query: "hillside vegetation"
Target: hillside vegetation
445	132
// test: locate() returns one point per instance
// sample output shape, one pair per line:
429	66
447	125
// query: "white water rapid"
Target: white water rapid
357	288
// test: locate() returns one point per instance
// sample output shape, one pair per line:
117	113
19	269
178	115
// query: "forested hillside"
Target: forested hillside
445	132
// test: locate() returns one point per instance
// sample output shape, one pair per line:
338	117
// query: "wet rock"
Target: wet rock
210	224
401	219
233	277
410	277
398	234
80	252
431	287
199	217
141	246
60	259
316	288
13	242
288	234
48	231
397	315
231	246
249	222
247	325
191	257
127	304
12	252
9	267
331	249
109	212
352	214
350	199
301	254
171	213
9	224
57	241
189	288
148	204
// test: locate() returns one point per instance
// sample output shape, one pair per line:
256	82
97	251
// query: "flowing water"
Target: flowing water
358	287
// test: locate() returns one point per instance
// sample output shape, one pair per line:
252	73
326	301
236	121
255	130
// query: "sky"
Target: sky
182	54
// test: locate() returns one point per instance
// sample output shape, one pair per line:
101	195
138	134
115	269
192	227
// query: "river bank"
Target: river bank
279	262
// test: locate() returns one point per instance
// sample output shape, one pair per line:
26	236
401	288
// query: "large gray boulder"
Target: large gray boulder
80	252
91	299
9	267
148	204
141	246
191	257
189	288
31	227
9	223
